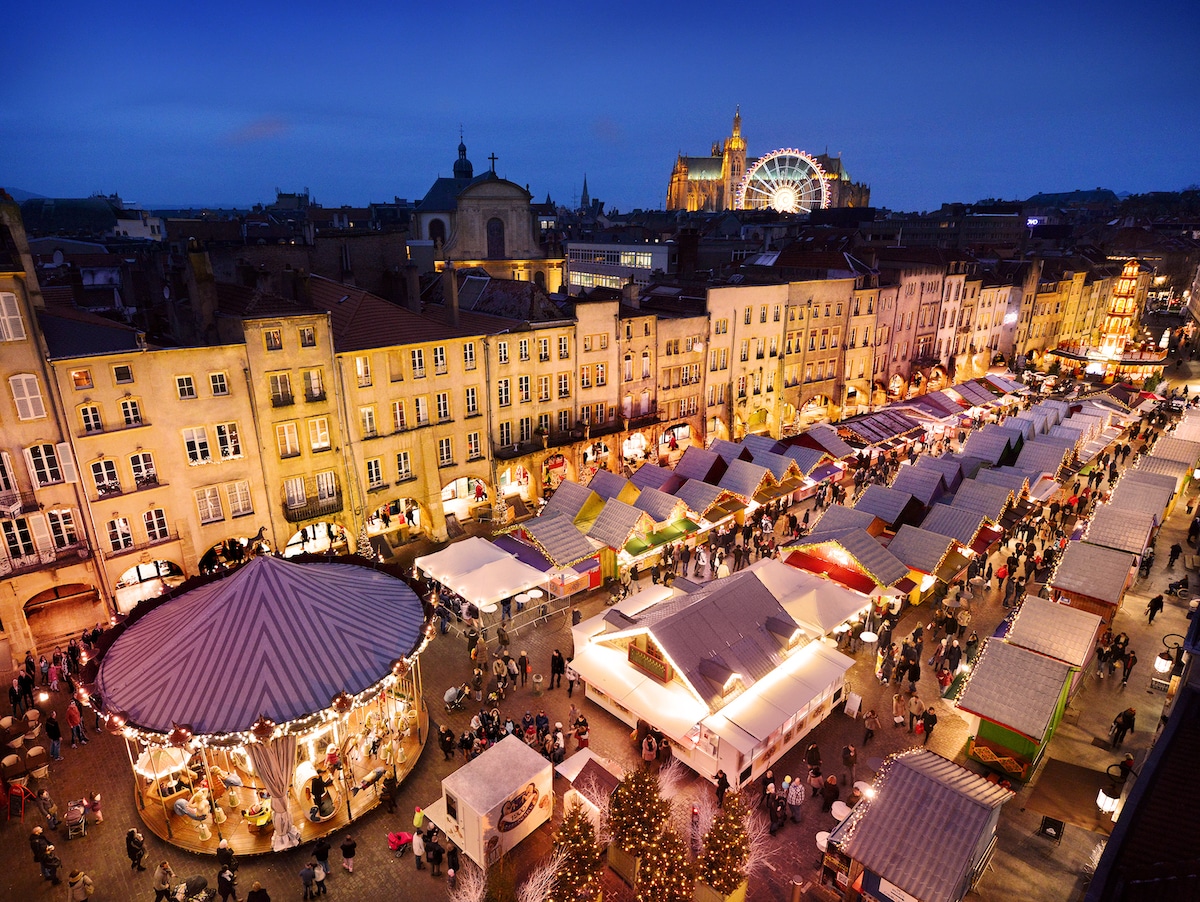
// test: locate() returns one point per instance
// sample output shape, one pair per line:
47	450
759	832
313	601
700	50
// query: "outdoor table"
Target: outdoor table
840	810
862	786
822	841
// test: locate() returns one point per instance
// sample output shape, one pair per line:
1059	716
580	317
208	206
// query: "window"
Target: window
374	473
775	315
603	340
543	388
741	386
564	385
762	314
273	339
195	441
308	338
472	401
318	434
362	370
314	386
746	316
721	327
543	349
131	412
564	420
598	413
473	448
628	331
587	342
525	428
186	387
544	422
403	466
585	377
11	326
45	467
645	364
228	443
745	349
120	537
293	492
418	363
62	528
104	475
523	348
220	386
439	360
144	474
155	520
422	408
442	400
506	433
502	351
326	485
81	378
91	418
628	368
503	393
601	379
208	503
564	347
399	416
287	439
445	452
281	390
366	416
28	397
523	388
469	355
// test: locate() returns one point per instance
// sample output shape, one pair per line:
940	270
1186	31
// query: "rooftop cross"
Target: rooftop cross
493	158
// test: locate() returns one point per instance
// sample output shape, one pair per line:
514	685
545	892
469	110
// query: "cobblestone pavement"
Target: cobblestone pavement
1025	866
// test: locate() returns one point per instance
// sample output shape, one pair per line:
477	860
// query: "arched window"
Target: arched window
495	239
437	231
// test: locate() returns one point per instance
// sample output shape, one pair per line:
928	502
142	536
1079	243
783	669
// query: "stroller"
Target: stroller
193	889
76	819
399	843
456	697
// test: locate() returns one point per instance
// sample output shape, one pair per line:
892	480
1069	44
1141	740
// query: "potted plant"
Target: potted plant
636	816
722	867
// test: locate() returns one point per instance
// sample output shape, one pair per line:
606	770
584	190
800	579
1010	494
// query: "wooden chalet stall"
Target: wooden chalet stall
1092	578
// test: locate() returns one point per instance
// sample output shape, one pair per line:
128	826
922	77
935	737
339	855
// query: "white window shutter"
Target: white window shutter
66	461
41	537
33	475
8	478
11	326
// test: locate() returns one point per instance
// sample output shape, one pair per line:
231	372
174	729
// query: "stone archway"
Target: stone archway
318	537
144	580
465	497
63	610
814	410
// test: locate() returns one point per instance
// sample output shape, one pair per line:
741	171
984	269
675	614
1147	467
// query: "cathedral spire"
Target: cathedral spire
584	200
737	121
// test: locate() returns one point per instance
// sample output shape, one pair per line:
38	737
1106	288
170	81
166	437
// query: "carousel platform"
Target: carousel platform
250	834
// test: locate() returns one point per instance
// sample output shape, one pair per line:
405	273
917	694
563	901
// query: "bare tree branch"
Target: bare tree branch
471	883
537	886
672	778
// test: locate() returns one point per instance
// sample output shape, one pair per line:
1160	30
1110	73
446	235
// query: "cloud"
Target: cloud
607	131
263	129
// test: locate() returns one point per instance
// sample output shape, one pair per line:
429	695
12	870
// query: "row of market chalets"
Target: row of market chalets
271	705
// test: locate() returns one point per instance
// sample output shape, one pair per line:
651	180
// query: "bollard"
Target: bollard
537	684
798	887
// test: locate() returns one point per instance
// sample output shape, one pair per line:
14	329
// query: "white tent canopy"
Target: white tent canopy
811	601
497	580
459	558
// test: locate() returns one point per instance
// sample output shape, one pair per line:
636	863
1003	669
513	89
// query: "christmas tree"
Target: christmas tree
578	876
666	872
637	812
726	849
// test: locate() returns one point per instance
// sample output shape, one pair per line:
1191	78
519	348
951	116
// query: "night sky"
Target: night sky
221	103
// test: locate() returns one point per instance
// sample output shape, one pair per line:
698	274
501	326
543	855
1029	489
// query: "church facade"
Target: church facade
709	183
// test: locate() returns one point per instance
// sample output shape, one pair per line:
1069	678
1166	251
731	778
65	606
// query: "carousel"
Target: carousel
269	707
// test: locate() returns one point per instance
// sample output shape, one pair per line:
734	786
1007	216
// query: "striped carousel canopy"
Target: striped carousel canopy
276	638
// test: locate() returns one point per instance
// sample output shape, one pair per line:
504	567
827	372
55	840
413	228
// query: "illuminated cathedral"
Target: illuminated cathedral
711	183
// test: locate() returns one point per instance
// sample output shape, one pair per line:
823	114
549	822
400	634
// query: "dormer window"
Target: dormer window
787	631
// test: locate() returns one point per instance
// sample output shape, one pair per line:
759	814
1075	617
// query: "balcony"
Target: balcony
13	504
313	397
109	428
314	507
55	557
170	536
107	489
283	400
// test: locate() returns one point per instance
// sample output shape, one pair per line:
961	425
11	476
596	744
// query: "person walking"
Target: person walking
50	865
75	722
916	709
523	667
722	787
928	721
558	667
850	762
1155	606
1176	551
435	853
135	848
227	884
79	886
308	878
320	875
54	734
48	808
898	710
349	846
321	853
162	881
871	724
794	798
572	679
38	844
1122	724
257	893
1130	661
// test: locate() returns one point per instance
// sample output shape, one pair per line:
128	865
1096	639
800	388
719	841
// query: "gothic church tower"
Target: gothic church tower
733	161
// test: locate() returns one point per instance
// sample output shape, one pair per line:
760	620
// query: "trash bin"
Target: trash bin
537	684
576	617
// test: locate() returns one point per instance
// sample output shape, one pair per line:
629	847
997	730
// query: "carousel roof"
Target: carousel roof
275	638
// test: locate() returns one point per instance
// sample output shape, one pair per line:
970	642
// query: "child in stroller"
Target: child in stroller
399	842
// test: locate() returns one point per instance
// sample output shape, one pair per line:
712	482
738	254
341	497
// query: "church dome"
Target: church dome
462	166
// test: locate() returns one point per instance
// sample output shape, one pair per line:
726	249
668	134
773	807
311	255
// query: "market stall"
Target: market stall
278	696
1092	578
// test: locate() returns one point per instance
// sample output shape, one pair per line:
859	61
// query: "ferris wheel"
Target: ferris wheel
789	181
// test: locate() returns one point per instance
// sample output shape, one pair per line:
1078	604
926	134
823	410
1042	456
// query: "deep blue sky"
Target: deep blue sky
221	102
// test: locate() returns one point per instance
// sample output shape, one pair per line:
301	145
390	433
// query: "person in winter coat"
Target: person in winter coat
227	885
418	847
795	798
558	668
321	853
829	792
79	885
349	846
898	710
50	865
812	755
435	853
308	878
928	721
135	848
258	894
162	881
916	708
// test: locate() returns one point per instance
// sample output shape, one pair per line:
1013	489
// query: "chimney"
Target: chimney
630	295
450	293
412	284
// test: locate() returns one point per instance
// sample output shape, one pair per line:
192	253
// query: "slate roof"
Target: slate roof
1120	528
1154	464
1055	630
1041	456
607	484
649	476
729	451
958	523
977	395
570	498
1015	688
1093	571
661	507
838	516
745	478
921	829
923	483
1024	428
759	444
882	426
1011	479
700	496
1140	491
697	463
361	320
938	404
1058	410
991	444
949	467
781	467
919	548
989	500
1043	420
888	504
883	566
969	464
77	333
1074	434
558	538
1171	448
827	438
808	459
617	524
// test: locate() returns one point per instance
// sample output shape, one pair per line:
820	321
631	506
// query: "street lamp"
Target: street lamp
1171	655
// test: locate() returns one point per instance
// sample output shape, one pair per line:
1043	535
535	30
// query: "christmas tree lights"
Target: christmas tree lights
578	874
637	813
666	871
726	849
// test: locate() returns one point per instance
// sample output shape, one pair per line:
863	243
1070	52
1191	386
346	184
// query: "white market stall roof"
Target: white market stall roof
1056	630
274	638
1171	448
460	557
1015	688
1094	572
920	830
487	780
496	581
815	603
1164	466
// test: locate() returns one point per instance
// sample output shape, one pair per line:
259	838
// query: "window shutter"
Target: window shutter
33	475
41	537
66	461
11	326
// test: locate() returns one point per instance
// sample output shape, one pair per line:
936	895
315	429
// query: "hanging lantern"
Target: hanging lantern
180	736
263	729
343	703
114	722
401	667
